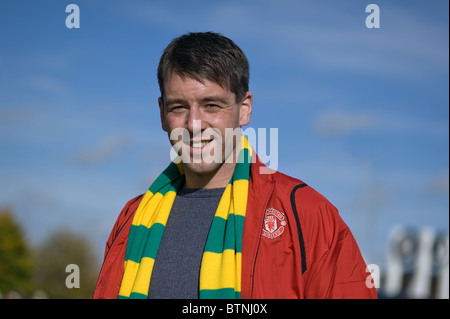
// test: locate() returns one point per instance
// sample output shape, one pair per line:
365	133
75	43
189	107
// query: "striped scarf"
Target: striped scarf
220	271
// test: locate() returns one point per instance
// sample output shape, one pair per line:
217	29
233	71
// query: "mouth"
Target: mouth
199	144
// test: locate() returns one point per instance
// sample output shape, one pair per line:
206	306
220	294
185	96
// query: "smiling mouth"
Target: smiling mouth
199	144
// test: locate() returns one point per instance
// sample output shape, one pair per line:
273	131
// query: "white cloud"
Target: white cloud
338	122
325	35
60	59
440	184
48	84
107	148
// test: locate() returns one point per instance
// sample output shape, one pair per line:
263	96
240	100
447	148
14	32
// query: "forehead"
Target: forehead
176	86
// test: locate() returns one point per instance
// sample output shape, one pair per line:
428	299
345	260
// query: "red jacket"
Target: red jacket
295	245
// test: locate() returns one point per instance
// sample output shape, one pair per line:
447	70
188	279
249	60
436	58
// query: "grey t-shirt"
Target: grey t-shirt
176	271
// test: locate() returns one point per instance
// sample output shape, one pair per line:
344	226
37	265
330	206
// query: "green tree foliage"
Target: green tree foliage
43	268
15	257
60	249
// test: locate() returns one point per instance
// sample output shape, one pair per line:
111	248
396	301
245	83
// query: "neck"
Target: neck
215	179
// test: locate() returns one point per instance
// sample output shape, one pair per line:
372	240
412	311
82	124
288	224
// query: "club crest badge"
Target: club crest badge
274	223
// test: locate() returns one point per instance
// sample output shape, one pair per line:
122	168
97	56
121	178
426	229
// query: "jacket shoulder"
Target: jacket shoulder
317	220
124	217
315	213
110	276
301	194
331	259
129	208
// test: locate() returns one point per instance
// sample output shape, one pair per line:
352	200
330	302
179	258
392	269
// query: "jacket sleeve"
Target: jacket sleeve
110	276
125	214
335	266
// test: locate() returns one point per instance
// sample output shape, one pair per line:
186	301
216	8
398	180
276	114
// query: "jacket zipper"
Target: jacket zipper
299	229
255	253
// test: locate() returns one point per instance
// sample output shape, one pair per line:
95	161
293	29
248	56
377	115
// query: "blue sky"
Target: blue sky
362	114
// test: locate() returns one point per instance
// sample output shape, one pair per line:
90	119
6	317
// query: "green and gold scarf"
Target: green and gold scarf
220	272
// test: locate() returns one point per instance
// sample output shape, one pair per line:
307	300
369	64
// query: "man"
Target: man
216	223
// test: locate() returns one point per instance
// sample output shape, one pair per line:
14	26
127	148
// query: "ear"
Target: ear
245	112
162	114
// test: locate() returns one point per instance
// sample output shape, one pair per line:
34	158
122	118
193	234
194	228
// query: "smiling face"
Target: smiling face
204	110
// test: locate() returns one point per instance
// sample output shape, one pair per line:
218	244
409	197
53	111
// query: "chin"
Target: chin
202	168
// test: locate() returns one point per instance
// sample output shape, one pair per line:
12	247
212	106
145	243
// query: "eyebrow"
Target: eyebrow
220	99
206	99
174	101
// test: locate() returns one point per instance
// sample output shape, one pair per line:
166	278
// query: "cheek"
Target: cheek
172	122
228	120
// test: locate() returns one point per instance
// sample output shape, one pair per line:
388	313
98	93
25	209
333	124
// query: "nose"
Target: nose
195	123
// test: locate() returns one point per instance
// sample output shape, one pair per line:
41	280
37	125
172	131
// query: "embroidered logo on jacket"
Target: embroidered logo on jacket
274	223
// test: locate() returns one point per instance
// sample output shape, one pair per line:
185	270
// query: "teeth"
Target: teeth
199	144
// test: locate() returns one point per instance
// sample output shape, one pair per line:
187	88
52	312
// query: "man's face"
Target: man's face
204	111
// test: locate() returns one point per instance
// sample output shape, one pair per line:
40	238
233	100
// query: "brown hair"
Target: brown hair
206	56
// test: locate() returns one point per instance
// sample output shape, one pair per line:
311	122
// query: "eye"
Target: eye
176	108
212	107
